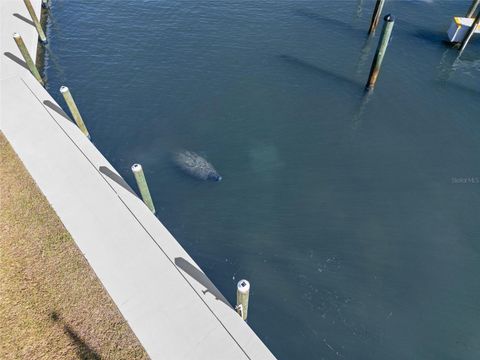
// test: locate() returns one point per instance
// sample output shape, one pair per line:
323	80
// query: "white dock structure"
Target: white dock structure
459	28
169	303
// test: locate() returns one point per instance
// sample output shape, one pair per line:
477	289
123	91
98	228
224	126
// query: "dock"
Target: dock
459	28
170	304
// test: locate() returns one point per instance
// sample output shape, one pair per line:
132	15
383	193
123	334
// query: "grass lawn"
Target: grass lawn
52	306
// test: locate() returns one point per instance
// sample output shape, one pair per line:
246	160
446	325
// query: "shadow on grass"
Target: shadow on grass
84	351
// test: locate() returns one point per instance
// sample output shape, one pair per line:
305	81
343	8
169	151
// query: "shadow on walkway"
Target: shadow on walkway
57	109
117	178
16	59
201	278
23	18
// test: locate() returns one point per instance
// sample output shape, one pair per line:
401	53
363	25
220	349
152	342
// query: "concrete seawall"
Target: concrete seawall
172	307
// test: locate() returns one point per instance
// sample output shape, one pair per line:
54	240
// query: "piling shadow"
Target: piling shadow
15	59
201	278
117	178
56	108
314	69
23	18
422	33
433	37
460	88
338	26
84	351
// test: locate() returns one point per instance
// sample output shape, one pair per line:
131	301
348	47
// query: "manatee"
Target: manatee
196	166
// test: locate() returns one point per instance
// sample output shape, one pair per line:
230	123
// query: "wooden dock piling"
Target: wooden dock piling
28	59
377	12
36	22
243	294
470	33
472	9
381	49
74	110
142	186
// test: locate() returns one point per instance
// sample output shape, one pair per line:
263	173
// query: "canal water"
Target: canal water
355	218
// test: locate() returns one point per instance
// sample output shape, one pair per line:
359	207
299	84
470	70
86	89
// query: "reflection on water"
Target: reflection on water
338	206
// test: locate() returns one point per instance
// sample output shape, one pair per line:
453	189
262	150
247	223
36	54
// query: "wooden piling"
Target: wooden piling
142	186
377	12
243	294
470	32
74	110
473	7
381	49
28	59
34	17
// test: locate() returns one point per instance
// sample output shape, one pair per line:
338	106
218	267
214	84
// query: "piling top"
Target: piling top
63	89
389	18
16	35
243	286
136	167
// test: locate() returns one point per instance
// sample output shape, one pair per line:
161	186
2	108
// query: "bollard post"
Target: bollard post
473	7
74	110
26	56
377	12
243	293
381	49
470	32
34	17
142	186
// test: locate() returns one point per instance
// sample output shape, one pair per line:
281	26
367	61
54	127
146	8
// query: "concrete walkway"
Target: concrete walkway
172	307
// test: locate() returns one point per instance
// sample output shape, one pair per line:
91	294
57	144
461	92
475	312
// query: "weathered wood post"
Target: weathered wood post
26	56
473	7
243	293
377	12
34	17
74	110
381	49
470	32
142	186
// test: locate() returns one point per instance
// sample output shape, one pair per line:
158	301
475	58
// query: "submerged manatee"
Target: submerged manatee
196	166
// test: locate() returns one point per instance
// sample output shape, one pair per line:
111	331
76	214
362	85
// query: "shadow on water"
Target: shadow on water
201	278
422	33
452	61
57	109
460	88
84	351
16	59
358	116
434	37
312	68
338	26
23	18
117	178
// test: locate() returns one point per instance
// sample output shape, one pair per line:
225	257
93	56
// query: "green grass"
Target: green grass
52	306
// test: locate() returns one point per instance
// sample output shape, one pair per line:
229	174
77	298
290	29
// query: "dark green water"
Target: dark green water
356	221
